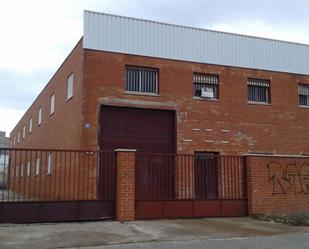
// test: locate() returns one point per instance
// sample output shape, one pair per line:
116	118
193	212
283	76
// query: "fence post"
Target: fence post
125	184
245	182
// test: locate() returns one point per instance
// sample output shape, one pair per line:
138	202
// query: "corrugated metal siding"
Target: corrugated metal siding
135	36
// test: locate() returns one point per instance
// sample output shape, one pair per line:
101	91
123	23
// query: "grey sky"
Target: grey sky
36	35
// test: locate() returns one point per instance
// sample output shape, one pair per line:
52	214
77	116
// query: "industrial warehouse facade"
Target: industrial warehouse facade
204	123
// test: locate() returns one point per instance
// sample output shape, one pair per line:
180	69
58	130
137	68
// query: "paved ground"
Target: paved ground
296	241
189	233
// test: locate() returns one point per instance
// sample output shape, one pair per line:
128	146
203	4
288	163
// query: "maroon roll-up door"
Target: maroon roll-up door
146	130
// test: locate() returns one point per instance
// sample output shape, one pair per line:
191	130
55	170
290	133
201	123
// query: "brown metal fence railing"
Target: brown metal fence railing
189	177
56	175
65	175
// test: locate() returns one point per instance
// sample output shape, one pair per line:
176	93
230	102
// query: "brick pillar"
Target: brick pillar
125	184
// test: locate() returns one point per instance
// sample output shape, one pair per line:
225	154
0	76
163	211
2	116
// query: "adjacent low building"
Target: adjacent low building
4	159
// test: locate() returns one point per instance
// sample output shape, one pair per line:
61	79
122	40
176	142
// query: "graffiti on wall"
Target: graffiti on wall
291	178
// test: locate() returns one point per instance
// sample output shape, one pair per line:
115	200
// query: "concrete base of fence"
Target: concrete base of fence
125	184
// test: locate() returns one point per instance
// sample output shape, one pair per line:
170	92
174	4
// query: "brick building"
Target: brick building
4	140
156	87
226	93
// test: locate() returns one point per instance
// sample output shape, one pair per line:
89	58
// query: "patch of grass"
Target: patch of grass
298	219
295	219
258	216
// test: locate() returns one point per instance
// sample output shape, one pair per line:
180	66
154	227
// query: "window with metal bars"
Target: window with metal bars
303	93
258	90
206	85
140	79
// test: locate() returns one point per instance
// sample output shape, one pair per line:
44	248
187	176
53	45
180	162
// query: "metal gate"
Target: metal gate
180	186
56	185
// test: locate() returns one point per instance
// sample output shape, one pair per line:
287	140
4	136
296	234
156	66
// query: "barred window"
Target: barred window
206	85
303	93
258	90
139	79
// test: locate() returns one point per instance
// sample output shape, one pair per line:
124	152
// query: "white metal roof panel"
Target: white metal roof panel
142	37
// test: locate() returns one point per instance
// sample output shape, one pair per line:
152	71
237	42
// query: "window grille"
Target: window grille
140	79
303	93
206	85
258	90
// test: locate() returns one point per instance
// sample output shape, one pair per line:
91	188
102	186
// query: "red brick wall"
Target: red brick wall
280	127
234	126
278	184
62	129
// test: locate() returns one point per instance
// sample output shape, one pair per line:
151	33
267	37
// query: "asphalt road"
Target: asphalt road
295	241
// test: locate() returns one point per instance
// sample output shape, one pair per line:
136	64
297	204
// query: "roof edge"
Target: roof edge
195	28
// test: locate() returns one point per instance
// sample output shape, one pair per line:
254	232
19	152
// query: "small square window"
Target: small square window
258	90
70	85
206	85
303	94
140	79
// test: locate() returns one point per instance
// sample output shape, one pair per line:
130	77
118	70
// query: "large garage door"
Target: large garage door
142	129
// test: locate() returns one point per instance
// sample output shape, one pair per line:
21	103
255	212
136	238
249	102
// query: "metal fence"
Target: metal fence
64	175
190	177
57	175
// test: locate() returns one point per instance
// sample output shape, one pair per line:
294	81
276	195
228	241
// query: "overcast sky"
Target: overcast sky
37	35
